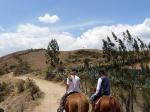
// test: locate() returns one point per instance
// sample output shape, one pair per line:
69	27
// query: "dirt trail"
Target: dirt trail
53	93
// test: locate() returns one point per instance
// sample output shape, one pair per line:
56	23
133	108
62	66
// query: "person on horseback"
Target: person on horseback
72	86
103	87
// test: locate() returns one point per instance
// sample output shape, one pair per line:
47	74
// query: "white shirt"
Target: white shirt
74	84
98	85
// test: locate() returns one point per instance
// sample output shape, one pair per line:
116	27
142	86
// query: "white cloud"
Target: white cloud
49	19
80	26
32	36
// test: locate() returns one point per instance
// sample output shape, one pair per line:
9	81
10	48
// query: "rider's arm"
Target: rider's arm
98	85
67	84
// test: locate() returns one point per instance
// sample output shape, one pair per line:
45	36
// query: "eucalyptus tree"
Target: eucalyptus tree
126	50
143	47
136	49
52	53
149	46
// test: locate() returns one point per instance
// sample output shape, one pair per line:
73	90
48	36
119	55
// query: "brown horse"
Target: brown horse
107	104
77	102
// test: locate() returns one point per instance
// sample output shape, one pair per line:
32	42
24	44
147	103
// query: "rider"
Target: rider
103	87
72	86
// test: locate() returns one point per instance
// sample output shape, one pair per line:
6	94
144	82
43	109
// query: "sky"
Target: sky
76	24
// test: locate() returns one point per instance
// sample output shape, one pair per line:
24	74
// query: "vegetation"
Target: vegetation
120	55
20	86
52	53
33	88
3	88
124	53
2	72
28	85
22	67
1	110
146	96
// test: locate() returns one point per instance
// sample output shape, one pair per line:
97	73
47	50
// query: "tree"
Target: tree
86	63
149	46
136	49
122	53
129	39
136	46
122	50
52	53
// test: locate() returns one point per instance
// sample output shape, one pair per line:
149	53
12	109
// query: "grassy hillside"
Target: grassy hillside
36	59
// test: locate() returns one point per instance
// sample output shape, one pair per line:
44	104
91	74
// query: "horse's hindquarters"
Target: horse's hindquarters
108	104
77	102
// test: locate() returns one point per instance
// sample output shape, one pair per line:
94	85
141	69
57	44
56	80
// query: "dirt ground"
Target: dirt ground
52	94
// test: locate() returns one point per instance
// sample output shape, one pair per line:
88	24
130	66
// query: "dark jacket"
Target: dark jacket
105	86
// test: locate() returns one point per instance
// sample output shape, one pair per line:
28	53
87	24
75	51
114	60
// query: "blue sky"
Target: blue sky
14	12
78	22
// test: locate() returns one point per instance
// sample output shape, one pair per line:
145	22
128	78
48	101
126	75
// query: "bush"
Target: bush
49	75
3	89
32	87
12	67
29	83
2	72
22	68
146	96
1	97
3	86
1	110
20	86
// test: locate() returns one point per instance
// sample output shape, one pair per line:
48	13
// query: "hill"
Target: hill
36	58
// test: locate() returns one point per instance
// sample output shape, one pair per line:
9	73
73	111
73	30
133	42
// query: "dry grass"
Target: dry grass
37	61
18	94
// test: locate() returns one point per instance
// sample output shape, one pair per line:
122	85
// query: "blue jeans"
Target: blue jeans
95	97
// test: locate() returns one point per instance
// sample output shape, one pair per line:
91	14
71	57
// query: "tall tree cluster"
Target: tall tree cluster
52	53
122	51
125	50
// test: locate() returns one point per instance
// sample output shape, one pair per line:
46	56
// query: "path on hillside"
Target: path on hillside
53	93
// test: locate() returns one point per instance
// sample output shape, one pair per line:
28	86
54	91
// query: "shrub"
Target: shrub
32	87
12	67
49	75
2	72
1	97
3	88
20	86
1	110
146	96
22	68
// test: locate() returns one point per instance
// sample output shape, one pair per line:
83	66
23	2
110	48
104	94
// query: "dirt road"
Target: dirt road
53	93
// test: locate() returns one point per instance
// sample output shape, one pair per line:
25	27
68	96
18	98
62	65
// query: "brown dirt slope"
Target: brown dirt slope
37	61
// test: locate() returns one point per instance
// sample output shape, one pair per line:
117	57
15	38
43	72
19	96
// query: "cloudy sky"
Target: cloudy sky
76	24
